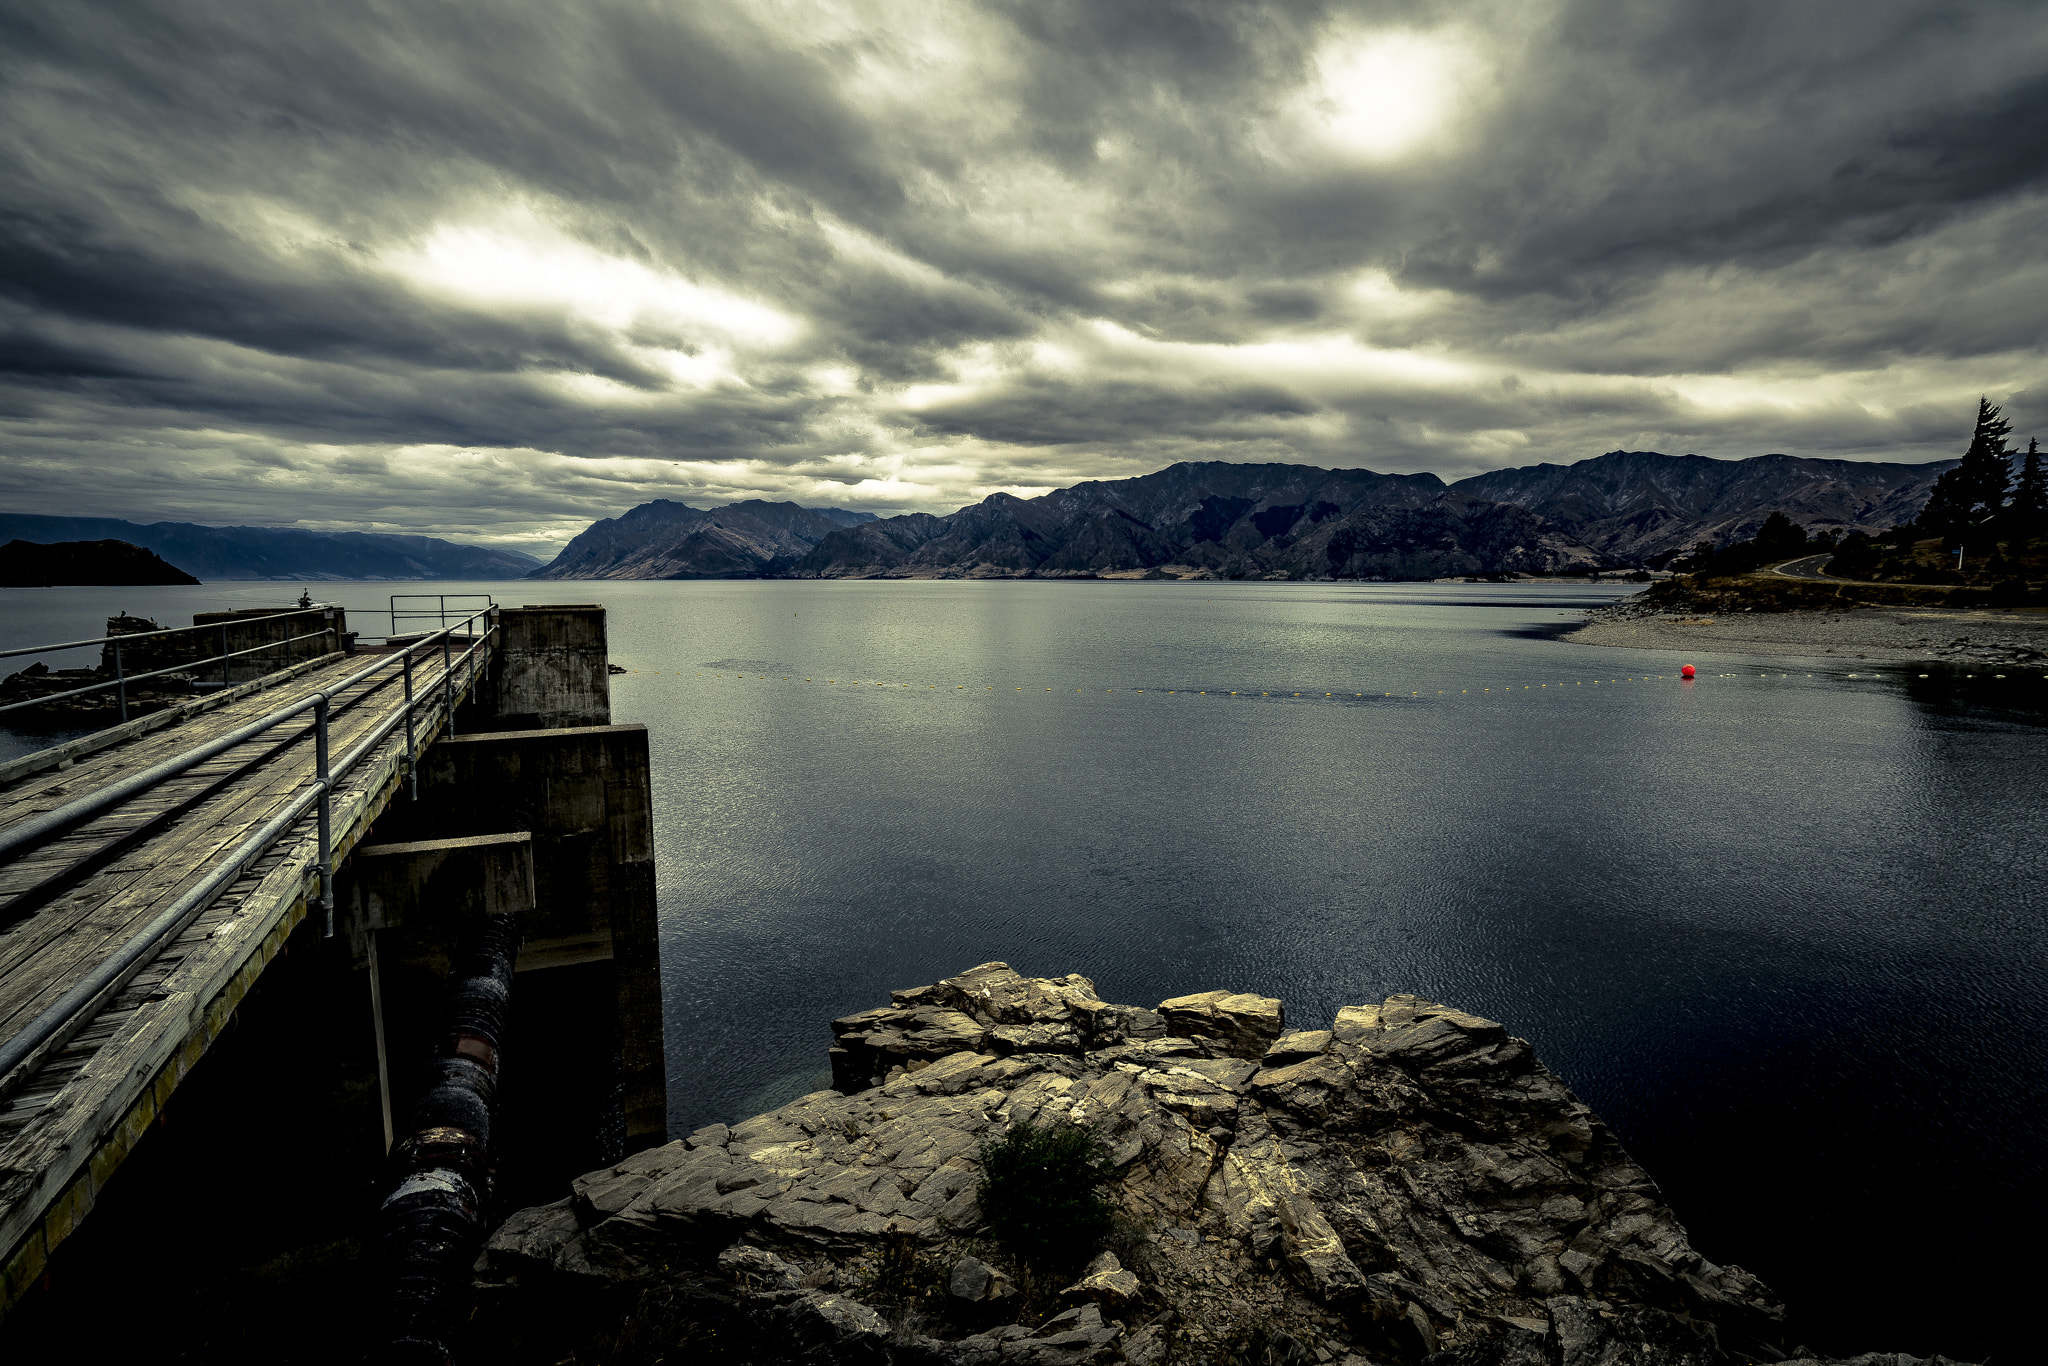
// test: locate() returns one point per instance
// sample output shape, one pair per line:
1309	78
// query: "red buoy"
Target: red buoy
1686	672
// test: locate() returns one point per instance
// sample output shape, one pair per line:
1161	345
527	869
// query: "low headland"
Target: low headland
1769	613
105	563
1012	1170
1902	595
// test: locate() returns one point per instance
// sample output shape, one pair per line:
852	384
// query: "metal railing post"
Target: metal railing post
447	689
223	654
326	827
412	763
120	681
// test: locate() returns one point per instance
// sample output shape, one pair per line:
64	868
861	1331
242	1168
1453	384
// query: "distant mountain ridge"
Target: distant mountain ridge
669	540
285	553
1224	520
1638	505
1212	518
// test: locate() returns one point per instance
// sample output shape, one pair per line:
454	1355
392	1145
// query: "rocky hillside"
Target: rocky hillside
668	540
1408	1186
1208	520
1219	520
1631	506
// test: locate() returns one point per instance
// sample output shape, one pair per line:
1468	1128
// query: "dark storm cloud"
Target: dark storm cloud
1039	412
493	273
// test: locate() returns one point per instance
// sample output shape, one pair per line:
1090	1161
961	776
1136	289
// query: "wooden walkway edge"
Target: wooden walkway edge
66	1130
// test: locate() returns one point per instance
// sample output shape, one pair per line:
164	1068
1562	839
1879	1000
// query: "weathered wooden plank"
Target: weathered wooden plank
41	1160
46	791
228	971
122	902
210	715
22	941
51	790
69	754
113	919
84	1128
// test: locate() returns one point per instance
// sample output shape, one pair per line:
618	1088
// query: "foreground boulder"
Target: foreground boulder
1410	1185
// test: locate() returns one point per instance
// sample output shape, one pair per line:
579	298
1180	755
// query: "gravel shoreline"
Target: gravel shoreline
2010	637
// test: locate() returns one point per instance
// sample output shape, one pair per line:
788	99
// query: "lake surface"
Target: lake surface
1783	930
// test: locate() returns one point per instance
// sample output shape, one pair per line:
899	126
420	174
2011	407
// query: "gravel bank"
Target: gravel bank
2013	637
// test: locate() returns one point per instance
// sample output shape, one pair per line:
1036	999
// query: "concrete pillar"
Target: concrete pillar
538	758
551	668
437	889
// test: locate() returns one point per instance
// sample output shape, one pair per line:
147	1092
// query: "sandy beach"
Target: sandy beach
1989	636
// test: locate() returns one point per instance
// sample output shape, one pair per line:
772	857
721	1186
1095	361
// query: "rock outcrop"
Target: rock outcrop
1410	1185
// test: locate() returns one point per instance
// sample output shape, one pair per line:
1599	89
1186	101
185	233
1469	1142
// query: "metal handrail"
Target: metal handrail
122	679
52	1028
36	827
167	631
439	611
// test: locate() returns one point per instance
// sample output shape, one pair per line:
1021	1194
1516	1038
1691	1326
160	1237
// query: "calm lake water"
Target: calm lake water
1782	929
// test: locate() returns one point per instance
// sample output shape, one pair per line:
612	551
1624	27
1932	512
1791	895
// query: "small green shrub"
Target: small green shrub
1041	1193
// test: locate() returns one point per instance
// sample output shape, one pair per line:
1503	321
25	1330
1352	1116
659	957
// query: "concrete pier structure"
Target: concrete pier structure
507	791
577	801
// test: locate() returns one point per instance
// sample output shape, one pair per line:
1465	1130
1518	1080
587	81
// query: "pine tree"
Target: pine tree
2028	513
1974	491
1779	537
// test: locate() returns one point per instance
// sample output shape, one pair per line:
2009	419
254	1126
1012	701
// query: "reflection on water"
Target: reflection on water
1758	922
1783	931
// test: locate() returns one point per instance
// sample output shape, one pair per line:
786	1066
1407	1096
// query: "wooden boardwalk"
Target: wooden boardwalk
69	1118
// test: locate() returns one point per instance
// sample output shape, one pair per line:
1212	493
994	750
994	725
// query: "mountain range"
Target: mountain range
1630	506
1222	520
665	540
290	553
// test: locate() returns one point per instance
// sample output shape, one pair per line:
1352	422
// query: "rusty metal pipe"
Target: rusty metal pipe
433	1222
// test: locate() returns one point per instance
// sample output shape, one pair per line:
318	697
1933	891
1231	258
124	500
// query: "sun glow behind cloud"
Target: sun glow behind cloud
1383	95
707	251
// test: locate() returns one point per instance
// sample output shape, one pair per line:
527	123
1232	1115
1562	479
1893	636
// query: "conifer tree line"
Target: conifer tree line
1977	507
1979	499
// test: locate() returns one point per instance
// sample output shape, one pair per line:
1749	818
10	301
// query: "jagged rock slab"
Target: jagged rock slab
1408	1185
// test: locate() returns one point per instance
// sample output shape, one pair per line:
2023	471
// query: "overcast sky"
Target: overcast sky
490	271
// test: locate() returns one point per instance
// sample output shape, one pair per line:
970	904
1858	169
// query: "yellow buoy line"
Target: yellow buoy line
1502	689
